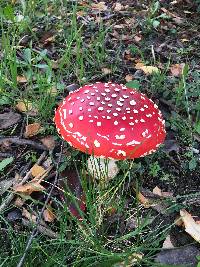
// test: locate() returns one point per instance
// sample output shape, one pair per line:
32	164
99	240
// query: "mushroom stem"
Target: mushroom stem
102	169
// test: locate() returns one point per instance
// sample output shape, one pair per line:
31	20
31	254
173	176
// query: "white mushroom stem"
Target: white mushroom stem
102	169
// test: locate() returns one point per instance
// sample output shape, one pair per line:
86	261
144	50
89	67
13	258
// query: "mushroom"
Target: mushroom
110	121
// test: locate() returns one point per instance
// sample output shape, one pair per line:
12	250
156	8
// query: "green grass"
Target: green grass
79	53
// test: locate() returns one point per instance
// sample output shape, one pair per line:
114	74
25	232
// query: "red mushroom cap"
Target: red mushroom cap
110	120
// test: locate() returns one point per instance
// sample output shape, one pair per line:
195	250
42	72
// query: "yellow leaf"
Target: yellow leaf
191	227
37	170
21	79
32	129
26	106
146	69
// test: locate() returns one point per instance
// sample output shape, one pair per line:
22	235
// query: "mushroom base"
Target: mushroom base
102	169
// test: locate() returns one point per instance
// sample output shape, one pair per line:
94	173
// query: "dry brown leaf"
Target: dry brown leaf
29	188
21	79
49	142
177	69
106	71
159	192
128	77
48	215
19	202
191	227
143	200
32	129
146	69
37	170
33	185
28	215
101	6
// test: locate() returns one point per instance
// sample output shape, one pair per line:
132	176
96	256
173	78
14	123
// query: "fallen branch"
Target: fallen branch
40	228
22	142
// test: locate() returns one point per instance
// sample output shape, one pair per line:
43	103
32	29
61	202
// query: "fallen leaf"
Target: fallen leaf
70	181
191	227
32	129
32	186
101	6
157	191
37	170
131	261
171	145
54	64
146	69
26	106
181	256
49	142
9	119
167	243
106	71
19	202
5	162
143	200
21	79
137	38
47	37
28	215
29	188
128	77
48	214
118	7
80	13
177	69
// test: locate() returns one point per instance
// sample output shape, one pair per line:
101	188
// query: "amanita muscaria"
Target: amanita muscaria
110	121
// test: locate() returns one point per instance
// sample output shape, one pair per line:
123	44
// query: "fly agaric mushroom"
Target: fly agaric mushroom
110	121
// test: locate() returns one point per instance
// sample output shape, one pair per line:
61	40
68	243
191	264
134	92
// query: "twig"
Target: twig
10	197
40	228
22	141
6	155
35	230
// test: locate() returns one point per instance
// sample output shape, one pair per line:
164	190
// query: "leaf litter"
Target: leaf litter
133	63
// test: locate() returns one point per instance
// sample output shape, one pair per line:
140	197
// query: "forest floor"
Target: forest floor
51	212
